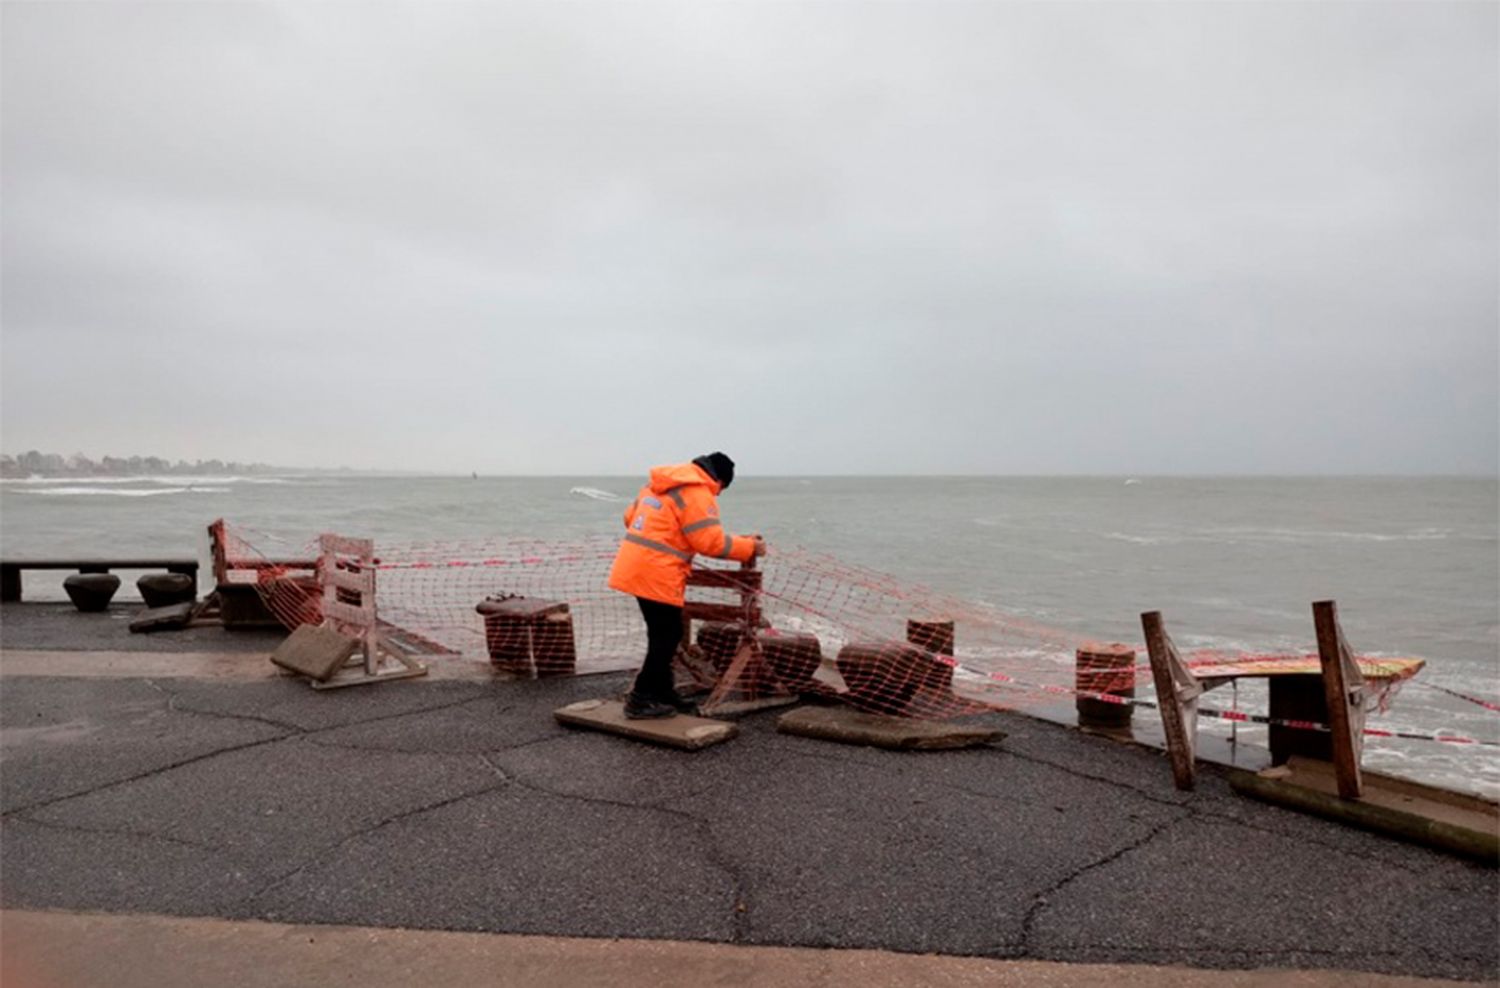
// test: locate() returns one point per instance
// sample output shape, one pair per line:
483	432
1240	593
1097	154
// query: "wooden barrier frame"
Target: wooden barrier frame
1178	689
349	565
746	583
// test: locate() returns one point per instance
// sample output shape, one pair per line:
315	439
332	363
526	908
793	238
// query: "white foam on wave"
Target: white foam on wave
1289	536
179	480
595	493
123	491
1135	539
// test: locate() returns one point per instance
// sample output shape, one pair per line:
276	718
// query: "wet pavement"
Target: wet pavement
462	805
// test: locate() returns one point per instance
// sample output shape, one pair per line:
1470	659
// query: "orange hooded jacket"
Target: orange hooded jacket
674	516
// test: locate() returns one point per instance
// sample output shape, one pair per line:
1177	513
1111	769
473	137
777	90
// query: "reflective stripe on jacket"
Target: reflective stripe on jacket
674	517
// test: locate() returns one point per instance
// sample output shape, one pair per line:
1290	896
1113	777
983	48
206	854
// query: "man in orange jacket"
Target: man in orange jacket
674	516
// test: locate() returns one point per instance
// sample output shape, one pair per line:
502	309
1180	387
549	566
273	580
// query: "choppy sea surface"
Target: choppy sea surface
1233	562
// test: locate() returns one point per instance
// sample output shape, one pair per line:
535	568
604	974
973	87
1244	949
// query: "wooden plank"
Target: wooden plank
362	616
1344	689
1177	692
730	613
364	548
363	677
728	579
1392	669
362	582
681	731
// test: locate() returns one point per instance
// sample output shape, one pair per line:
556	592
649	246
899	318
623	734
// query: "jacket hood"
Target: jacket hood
664	479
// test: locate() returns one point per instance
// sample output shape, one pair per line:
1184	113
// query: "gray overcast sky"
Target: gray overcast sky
832	237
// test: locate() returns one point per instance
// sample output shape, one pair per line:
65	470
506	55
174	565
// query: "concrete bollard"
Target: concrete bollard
793	657
91	591
1105	668
166	589
933	636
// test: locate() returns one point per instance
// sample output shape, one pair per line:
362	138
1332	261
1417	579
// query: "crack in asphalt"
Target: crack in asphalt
1187	803
315	857
291	731
714	854
721	857
1043	898
114	832
142	776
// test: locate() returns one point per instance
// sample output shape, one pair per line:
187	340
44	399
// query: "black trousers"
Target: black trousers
663	635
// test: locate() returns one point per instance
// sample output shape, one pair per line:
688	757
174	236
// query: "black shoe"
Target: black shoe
685	704
647	708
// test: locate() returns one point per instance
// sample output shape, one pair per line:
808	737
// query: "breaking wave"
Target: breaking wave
180	480
595	493
123	491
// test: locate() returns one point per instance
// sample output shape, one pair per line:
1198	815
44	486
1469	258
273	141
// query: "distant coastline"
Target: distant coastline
36	464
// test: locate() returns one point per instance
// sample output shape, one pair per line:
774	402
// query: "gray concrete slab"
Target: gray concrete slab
846	726
462	806
682	731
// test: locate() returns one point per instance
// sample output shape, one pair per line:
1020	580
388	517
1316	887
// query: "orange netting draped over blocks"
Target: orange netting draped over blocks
815	625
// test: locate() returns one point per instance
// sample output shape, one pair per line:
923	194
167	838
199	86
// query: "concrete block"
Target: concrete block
794	658
681	731
898	733
165	589
529	636
314	651
91	591
884	676
168	618
241	607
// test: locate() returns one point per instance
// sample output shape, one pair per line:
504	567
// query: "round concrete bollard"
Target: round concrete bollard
1108	669
792	658
933	636
91	591
166	589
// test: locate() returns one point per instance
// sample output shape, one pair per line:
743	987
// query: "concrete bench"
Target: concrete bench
11	569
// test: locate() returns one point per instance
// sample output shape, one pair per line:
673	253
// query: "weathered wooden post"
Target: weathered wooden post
1177	692
1108	669
1344	691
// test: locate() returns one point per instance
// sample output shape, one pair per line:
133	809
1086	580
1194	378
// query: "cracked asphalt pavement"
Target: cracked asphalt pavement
463	806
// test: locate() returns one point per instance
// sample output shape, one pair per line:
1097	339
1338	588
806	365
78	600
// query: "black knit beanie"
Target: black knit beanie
719	467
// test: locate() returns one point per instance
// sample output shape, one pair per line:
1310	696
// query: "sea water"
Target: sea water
1233	563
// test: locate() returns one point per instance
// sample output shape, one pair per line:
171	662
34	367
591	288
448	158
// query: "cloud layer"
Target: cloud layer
835	237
